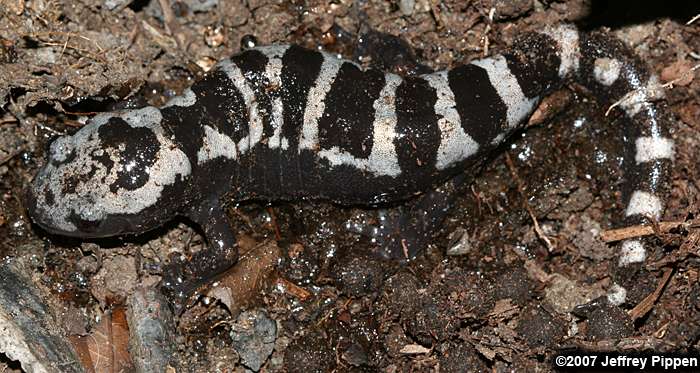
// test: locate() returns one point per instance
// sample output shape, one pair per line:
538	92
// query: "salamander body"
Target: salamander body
283	122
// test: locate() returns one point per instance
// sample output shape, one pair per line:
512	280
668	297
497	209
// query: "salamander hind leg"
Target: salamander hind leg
403	232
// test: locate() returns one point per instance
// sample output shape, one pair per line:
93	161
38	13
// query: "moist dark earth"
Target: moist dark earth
517	272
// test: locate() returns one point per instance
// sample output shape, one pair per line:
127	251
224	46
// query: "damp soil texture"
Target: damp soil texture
517	272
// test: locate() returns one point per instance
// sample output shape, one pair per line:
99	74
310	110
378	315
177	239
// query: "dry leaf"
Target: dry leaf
414	350
106	349
243	284
680	73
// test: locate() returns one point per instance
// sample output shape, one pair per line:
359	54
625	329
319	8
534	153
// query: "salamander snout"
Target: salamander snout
67	196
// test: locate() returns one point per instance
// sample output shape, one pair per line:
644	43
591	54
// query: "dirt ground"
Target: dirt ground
506	297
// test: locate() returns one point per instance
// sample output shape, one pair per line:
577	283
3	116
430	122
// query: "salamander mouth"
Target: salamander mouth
41	207
110	226
83	228
87	229
39	217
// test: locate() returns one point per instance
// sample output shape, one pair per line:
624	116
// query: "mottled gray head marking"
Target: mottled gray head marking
116	166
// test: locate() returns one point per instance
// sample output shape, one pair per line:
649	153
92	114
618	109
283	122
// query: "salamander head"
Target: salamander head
121	173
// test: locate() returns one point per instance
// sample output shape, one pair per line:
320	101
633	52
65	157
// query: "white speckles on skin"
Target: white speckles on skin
508	88
606	70
215	144
644	204
149	117
273	71
316	101
617	295
653	148
255	124
186	99
382	160
642	96
273	51
92	199
337	157
455	144
567	39
632	251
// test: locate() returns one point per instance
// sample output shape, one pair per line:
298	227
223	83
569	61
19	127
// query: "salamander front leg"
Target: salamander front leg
182	278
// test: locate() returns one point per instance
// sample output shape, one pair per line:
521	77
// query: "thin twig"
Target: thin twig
63	40
9	157
273	221
68	35
521	191
9	120
437	14
647	303
693	19
171	24
627	97
487	42
619	234
293	289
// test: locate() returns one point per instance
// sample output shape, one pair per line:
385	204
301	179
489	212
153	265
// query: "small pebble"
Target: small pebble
459	243
114	4
201	5
248	41
407	6
151	330
254	335
355	355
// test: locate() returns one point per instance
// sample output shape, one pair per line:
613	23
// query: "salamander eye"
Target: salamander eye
47	146
61	150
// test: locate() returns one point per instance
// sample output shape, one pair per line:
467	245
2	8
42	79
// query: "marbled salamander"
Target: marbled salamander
283	122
